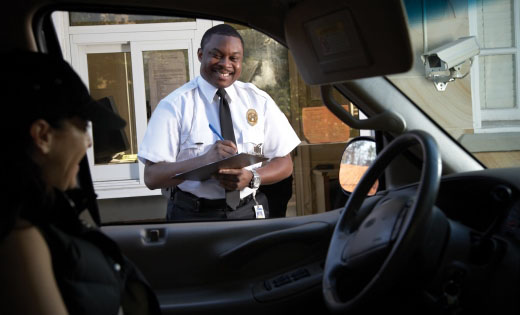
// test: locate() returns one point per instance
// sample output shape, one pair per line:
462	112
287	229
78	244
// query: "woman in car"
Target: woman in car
52	263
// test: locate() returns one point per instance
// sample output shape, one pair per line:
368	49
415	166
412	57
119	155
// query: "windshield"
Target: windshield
465	73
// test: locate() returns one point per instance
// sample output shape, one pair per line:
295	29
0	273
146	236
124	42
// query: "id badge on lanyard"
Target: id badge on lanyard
259	209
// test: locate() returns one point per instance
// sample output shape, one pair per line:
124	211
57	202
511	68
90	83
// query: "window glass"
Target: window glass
110	76
479	105
497	81
87	18
134	73
495	21
164	71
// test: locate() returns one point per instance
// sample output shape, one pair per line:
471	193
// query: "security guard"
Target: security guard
183	134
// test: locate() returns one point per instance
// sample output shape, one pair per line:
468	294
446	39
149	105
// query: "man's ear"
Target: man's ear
41	133
199	54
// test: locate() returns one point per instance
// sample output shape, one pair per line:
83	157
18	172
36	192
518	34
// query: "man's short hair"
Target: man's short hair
220	29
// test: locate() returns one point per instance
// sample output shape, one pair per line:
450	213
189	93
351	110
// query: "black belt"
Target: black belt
194	203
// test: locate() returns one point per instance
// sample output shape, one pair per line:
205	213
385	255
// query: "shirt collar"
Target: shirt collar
209	91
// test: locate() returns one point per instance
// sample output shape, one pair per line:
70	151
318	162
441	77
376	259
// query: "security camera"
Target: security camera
446	63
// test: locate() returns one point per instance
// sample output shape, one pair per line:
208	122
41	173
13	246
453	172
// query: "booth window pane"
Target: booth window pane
497	82
495	23
164	71
110	80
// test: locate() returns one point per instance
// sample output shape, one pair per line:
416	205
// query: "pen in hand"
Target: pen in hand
218	134
215	132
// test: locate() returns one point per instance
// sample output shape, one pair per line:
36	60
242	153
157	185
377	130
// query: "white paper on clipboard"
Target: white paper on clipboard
236	161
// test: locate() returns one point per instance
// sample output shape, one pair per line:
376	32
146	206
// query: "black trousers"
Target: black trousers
278	195
183	206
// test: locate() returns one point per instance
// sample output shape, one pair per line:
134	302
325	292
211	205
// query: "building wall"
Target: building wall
148	208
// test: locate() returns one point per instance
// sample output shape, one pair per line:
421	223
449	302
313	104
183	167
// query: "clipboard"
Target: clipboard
236	161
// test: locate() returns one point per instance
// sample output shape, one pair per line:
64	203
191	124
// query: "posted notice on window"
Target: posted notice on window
167	70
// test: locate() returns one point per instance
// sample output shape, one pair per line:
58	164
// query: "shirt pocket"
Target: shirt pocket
253	141
191	147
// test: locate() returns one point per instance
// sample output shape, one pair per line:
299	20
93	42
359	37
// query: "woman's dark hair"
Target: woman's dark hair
24	192
37	86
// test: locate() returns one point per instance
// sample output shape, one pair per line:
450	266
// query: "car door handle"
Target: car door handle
154	235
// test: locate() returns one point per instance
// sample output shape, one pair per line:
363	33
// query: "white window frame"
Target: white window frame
127	180
481	115
120	172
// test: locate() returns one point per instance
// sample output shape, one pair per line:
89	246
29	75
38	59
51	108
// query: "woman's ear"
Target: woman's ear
41	133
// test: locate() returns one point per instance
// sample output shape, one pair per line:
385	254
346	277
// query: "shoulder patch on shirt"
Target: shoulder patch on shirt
252	88
185	88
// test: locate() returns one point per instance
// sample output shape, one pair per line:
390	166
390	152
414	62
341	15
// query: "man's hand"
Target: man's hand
220	150
234	178
274	171
158	175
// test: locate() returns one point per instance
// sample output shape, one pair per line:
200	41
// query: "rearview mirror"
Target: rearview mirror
359	154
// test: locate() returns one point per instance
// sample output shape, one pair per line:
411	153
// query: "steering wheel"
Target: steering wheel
373	239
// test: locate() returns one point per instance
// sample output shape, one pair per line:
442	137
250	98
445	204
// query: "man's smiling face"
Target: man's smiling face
221	60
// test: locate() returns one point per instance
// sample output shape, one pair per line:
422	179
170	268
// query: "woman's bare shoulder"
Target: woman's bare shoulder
24	239
26	269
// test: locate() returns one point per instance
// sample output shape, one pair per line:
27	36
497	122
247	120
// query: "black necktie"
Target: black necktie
226	127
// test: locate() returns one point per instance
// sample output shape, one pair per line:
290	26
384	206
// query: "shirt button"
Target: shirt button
117	267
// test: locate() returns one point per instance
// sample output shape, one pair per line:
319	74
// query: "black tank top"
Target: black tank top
93	275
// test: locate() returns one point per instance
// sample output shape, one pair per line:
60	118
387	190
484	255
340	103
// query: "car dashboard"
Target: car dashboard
486	201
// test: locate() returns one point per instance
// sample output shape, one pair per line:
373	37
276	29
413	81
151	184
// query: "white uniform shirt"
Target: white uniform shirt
179	128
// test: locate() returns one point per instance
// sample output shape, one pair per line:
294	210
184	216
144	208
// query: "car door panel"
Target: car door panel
205	266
